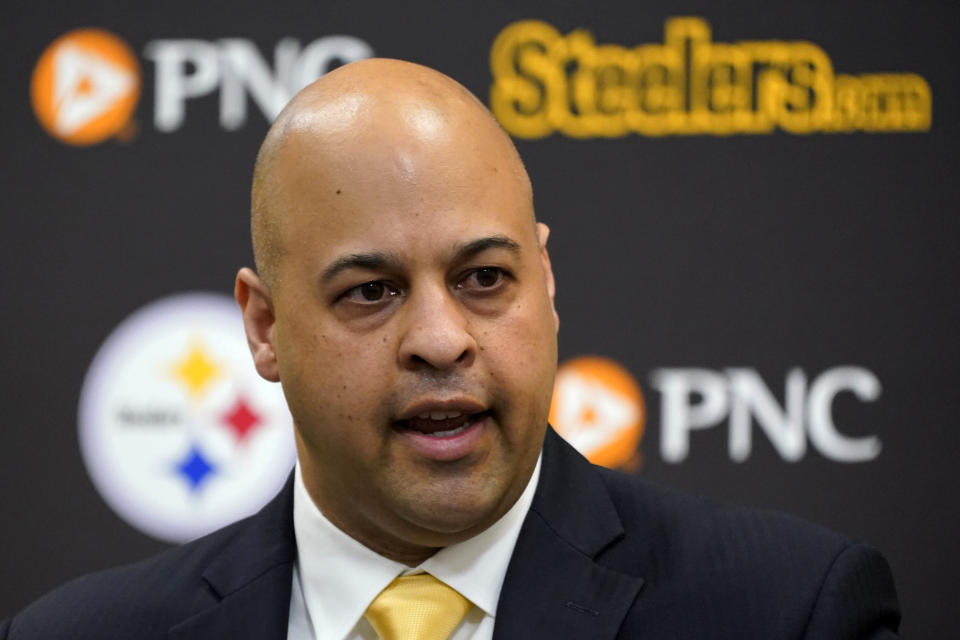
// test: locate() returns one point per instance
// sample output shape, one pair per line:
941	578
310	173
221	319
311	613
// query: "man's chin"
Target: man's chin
440	523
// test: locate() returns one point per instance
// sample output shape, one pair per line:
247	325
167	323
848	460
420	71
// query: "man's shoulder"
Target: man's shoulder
701	553
690	528
138	600
672	512
652	529
149	598
663	563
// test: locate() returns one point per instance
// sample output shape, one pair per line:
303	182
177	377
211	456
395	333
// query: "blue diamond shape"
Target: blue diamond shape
195	468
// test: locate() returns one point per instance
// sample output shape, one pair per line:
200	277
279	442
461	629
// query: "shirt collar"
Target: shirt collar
341	577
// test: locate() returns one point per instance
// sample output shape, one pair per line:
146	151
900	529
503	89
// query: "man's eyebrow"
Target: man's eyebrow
372	261
474	247
375	260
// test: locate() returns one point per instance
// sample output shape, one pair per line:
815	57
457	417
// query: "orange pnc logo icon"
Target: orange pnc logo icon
598	408
85	87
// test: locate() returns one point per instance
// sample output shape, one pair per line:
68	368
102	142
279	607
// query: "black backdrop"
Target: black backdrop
769	252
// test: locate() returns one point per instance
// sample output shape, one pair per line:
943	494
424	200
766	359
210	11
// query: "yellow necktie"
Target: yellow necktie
417	607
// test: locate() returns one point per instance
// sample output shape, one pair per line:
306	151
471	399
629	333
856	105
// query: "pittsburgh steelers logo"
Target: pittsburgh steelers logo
598	408
85	87
178	432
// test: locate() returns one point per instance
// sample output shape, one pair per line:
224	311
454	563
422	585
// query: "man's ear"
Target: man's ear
258	321
543	232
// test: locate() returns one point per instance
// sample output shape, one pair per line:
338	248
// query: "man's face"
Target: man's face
415	336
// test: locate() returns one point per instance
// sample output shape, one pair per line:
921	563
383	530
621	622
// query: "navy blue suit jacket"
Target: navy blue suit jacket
600	555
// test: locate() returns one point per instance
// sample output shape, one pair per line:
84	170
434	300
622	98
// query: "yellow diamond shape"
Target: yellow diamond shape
195	370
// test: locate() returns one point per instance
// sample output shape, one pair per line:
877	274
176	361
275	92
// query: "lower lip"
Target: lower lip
450	448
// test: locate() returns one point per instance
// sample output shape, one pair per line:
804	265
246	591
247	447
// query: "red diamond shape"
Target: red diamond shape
241	419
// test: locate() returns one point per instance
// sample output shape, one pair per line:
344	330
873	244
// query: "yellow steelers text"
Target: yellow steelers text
546	82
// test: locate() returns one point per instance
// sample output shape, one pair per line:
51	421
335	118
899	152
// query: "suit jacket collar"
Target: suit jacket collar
250	578
554	587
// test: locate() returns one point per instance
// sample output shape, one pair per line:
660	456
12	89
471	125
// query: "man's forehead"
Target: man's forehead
356	185
430	237
350	148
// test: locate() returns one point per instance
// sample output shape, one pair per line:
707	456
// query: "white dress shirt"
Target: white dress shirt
335	578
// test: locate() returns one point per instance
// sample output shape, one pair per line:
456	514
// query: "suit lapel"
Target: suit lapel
251	579
553	587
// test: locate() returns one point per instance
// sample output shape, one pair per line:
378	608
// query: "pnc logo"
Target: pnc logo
85	87
86	84
598	408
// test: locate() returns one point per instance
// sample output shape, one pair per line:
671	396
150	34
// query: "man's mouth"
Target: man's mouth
442	424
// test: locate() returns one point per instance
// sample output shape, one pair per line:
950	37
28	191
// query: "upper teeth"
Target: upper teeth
439	415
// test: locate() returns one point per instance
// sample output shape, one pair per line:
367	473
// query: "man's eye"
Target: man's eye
483	278
370	292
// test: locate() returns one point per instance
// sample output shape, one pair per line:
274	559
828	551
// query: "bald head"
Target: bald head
369	117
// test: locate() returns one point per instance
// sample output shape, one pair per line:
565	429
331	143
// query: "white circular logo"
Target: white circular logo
178	432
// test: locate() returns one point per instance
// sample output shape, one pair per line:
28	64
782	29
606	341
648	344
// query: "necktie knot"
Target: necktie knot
417	607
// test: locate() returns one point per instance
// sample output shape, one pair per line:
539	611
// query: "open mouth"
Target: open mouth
442	424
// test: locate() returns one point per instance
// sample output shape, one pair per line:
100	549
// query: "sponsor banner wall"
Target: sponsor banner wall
754	214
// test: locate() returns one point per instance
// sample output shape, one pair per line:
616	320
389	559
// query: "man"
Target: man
405	303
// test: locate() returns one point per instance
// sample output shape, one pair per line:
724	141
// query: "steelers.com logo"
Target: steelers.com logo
178	432
598	408
85	87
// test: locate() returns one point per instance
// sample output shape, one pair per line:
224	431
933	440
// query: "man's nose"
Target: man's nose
437	332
